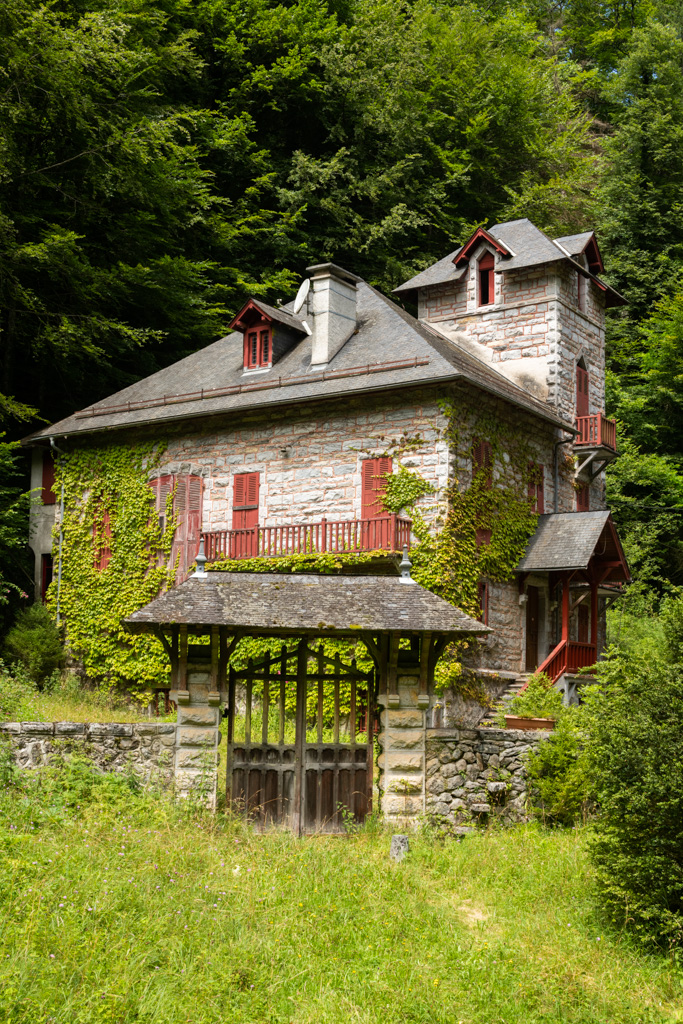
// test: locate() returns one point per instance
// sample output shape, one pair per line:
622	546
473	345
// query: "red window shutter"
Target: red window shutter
535	488
582	401
102	538
47	494
373	486
583	499
245	501
187	510
486	282
482	460
483	597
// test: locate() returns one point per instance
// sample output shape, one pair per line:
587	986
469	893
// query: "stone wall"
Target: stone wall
478	774
146	748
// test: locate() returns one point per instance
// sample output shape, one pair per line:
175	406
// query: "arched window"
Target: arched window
485	279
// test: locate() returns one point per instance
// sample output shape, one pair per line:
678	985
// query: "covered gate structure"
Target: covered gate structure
301	726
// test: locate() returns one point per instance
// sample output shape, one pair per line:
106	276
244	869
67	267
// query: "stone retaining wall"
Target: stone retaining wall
477	774
147	748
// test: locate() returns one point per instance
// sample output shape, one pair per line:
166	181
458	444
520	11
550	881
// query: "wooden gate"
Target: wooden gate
300	741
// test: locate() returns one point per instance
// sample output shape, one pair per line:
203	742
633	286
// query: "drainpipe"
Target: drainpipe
59	451
556	469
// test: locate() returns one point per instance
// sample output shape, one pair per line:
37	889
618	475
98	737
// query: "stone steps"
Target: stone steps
503	701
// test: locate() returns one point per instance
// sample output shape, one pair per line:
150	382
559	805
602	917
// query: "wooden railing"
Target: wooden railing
386	533
568	656
597	431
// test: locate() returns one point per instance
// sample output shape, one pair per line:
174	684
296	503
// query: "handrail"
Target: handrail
568	656
597	430
383	533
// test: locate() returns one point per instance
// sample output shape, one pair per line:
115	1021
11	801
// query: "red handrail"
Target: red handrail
384	533
568	656
596	430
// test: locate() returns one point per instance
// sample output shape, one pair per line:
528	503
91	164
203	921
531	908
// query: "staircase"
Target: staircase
503	701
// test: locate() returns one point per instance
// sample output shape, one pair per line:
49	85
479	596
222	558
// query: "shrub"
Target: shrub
33	641
538	700
16	691
634	755
560	784
672	625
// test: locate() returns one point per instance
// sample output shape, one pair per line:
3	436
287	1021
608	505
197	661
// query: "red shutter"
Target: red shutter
47	495
582	402
535	488
245	501
583	499
187	510
102	538
482	459
373	486
483	596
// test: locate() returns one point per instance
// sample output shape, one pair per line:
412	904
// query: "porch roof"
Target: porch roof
567	541
272	604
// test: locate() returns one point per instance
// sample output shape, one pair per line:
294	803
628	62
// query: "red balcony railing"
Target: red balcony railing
568	656
596	431
386	533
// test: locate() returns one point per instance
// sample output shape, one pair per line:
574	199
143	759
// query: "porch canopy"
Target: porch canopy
379	610
579	551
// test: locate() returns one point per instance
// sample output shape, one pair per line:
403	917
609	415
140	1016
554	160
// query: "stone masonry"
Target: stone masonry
145	748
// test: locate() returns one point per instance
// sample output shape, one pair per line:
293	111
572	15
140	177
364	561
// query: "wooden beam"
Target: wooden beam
392	673
161	636
373	649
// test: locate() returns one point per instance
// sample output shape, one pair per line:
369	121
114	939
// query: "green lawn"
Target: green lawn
127	908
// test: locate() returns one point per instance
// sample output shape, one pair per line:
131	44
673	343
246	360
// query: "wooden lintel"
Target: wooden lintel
165	642
373	649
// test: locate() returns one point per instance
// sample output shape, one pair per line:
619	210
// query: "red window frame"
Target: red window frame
582	392
258	349
535	487
483	598
482	460
583	499
374	473
485	279
47	493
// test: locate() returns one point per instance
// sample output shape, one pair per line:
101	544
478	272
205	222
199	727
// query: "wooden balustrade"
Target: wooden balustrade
385	533
568	656
597	431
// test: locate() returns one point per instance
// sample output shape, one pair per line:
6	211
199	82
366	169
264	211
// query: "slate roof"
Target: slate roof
439	273
575	244
567	540
530	248
274	604
281	315
389	349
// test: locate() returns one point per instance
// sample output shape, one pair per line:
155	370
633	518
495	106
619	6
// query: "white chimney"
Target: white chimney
331	310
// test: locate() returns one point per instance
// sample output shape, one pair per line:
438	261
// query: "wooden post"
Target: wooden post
300	738
231	736
183	692
323	538
392	674
214	695
423	690
565	608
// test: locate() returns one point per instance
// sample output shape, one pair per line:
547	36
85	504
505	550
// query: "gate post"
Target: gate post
198	733
402	762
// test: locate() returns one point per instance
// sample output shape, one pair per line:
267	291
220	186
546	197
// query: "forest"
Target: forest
161	160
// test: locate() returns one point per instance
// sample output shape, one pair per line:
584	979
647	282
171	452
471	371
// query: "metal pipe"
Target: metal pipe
60	451
556	469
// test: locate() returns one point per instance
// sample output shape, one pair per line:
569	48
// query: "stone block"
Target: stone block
99	730
406	719
69	729
402	805
198	716
198	759
196	737
37	728
406	739
480	808
436	786
402	762
496	787
13	728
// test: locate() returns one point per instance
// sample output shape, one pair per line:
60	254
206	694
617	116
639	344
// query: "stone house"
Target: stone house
279	437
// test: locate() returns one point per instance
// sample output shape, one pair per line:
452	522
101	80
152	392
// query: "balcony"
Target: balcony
596	431
385	533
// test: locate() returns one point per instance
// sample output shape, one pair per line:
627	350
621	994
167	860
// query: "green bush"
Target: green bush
33	641
634	757
16	691
560	785
539	700
672	625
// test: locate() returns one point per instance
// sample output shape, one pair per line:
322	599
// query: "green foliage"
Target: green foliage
112	479
15	690
34	642
403	489
15	574
635	761
672	625
561	792
539	700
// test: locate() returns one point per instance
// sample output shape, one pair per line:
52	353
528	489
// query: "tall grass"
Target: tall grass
119	906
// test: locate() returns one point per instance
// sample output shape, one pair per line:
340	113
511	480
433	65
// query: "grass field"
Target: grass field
121	907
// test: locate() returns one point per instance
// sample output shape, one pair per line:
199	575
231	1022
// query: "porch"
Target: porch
389	533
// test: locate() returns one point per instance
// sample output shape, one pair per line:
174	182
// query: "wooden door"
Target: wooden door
245	508
532	603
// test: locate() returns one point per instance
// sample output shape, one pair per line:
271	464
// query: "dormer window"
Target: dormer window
257	347
485	279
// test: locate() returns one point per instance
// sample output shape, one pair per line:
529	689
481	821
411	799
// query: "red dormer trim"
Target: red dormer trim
248	317
480	235
592	253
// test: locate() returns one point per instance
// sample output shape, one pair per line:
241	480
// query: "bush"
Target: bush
672	625
16	691
634	756
560	785
33	641
539	700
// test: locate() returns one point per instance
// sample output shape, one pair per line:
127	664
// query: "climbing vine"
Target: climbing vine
108	510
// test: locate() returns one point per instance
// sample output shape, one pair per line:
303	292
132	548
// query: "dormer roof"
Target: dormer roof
479	236
254	311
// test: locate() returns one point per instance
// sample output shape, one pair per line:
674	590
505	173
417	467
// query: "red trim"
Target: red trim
373	486
582	392
480	235
249	315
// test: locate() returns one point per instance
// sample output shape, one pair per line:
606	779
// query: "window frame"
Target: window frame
258	346
536	487
485	273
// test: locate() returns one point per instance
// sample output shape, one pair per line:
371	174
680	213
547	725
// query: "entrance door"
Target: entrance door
300	741
531	663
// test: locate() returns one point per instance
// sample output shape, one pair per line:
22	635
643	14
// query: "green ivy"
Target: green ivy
92	602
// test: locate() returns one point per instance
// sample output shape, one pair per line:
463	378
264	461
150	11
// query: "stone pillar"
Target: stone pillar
403	757
198	732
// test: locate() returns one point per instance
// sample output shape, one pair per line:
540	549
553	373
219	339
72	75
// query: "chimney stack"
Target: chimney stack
331	310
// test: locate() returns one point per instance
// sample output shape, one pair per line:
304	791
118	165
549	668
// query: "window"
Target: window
486	281
245	501
374	484
47	494
583	499
535	487
187	492
582	402
483	597
101	532
257	347
482	460
46	570
482	537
